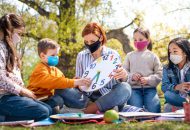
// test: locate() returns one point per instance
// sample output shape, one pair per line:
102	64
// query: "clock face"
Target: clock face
101	72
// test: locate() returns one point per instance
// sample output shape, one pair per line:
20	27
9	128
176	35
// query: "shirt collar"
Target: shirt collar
185	67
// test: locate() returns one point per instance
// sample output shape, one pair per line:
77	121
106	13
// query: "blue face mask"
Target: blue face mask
53	60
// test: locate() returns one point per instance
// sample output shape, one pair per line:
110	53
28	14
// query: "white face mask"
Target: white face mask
16	38
176	59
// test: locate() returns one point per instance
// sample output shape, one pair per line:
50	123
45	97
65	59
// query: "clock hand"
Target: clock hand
94	77
98	75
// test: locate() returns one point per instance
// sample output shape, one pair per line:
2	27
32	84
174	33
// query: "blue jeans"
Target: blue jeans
174	98
15	108
147	98
118	96
55	100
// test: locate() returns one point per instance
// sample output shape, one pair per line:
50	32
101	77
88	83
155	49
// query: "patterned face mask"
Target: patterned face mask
176	59
16	38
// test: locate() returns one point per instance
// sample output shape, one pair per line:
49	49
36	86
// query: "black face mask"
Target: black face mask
93	47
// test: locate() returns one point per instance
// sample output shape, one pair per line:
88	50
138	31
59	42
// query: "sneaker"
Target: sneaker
66	109
2	118
129	108
56	110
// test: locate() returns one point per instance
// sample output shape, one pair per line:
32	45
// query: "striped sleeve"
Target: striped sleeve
79	66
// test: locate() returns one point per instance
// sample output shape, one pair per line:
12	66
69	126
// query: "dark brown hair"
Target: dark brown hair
8	23
182	43
45	44
95	29
146	34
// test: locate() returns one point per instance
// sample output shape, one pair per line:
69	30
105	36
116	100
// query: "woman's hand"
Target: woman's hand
27	93
183	87
120	73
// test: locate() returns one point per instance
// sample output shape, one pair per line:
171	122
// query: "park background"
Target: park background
63	21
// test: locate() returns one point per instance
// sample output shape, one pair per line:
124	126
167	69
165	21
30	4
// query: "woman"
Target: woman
176	75
16	102
116	92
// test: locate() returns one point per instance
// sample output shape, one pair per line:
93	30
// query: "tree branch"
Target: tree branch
177	10
36	6
32	36
121	36
53	1
171	36
130	23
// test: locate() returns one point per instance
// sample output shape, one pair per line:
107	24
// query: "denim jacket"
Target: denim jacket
171	77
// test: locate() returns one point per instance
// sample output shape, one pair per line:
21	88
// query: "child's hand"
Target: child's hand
144	80
76	77
183	87
27	93
82	82
136	77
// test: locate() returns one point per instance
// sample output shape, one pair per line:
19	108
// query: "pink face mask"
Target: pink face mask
140	45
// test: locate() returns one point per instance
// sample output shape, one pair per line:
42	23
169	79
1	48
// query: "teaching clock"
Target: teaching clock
101	71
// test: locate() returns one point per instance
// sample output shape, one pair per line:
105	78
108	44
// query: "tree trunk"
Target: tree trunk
121	37
66	39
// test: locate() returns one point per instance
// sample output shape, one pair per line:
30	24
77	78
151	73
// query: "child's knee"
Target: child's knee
43	113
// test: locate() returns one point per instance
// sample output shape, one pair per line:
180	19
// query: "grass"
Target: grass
123	126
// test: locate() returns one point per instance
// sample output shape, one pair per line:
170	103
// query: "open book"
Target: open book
42	98
77	116
15	123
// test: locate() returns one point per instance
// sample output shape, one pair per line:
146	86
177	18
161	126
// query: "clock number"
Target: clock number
92	66
110	75
94	86
111	57
86	74
117	66
102	81
115	61
105	57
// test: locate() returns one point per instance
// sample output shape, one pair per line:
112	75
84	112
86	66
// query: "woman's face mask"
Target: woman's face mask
16	38
94	46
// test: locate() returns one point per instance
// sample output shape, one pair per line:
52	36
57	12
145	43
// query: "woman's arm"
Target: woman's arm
79	68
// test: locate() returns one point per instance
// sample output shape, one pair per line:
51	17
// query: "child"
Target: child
16	101
145	71
176	75
46	78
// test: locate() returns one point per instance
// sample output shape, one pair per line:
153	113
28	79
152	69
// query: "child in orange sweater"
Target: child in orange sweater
47	80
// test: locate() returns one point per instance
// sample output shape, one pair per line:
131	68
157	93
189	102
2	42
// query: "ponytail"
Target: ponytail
8	23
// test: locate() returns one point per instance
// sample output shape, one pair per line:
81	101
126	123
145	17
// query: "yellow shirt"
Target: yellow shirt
44	79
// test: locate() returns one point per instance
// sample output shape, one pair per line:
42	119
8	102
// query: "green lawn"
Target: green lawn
131	126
